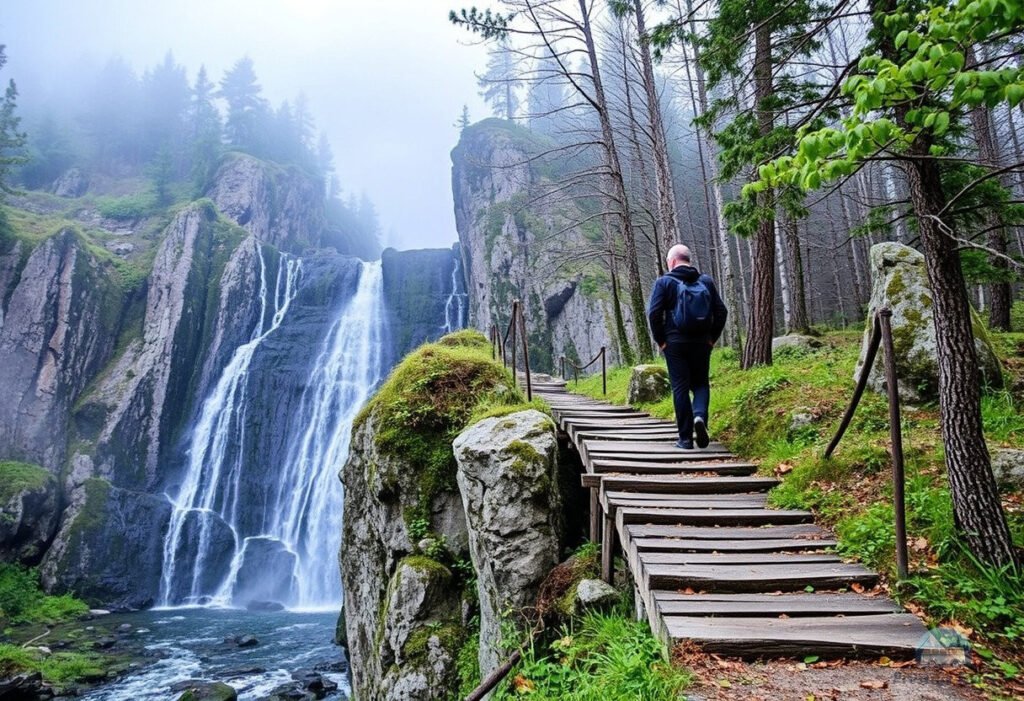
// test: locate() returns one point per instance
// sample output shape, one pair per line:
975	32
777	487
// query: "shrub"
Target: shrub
22	601
126	208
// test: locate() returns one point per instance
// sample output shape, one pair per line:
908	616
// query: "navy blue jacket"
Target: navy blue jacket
663	301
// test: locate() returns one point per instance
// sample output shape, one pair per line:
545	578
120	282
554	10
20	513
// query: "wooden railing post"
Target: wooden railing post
561	362
526	355
604	372
862	382
896	436
512	326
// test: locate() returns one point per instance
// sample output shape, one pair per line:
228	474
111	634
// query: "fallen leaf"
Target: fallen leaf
884	661
874	684
920	544
859	588
522	685
724	683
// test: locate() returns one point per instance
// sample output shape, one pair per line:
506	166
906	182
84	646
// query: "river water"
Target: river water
190	644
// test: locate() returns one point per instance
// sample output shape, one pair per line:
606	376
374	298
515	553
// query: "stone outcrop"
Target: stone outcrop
509	484
61	312
71	183
510	249
647	383
390	598
29	512
800	342
900	282
1008	467
109	547
279	205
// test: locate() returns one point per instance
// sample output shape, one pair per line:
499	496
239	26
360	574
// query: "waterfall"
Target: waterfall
307	512
209	492
289	555
455	305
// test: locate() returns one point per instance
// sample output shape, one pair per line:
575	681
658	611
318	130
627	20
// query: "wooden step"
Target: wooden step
654	459
679	468
749	577
684	559
679	484
894	635
648	448
672	603
808	532
684	501
747	545
719	517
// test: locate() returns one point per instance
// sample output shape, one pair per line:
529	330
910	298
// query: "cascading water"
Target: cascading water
286	552
455	306
209	492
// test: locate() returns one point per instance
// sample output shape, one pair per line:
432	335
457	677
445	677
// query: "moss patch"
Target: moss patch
18	477
431	396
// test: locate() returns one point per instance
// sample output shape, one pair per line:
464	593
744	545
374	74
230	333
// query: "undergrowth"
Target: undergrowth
783	416
22	601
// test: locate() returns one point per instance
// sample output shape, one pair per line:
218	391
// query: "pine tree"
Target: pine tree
501	81
12	141
204	131
463	120
246	106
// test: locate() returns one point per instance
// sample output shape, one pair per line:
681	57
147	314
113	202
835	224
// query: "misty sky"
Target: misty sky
385	78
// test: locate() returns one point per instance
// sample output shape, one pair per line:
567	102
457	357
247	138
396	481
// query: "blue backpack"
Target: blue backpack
692	312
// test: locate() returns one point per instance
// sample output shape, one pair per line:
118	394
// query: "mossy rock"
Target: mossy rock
648	384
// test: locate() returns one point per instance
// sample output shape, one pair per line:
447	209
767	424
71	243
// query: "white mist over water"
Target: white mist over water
302	517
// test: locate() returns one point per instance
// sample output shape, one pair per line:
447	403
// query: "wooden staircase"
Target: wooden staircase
711	562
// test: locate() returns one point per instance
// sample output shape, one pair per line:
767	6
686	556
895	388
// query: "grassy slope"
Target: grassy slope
752	412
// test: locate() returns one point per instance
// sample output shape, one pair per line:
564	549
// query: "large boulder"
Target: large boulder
900	282
508	480
71	183
647	383
1008	467
799	342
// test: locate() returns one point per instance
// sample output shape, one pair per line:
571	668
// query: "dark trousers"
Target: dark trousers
688	365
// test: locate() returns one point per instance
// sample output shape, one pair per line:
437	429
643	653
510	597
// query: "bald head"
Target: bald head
678	255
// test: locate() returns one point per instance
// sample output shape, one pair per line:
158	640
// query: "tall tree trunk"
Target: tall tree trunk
787	308
626	354
1000	294
618	192
976	506
662	169
799	320
709	170
761	319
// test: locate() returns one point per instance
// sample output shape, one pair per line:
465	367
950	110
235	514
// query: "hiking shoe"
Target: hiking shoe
700	428
684	445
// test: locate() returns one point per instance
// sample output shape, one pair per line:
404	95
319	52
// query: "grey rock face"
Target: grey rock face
58	326
72	183
379	489
28	520
647	383
1008	467
900	281
108	543
509	250
278	205
417	287
508	480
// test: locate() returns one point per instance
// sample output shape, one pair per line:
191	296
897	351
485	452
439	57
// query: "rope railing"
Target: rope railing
513	340
881	334
602	355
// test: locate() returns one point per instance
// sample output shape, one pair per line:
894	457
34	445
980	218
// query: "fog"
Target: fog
385	80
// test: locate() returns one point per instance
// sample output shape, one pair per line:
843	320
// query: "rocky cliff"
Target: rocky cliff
112	335
514	245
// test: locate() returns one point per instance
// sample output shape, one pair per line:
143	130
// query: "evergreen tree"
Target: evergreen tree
111	115
463	121
204	131
165	104
49	153
246	107
12	141
501	81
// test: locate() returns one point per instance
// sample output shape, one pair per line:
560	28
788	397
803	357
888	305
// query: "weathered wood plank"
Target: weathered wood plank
682	484
757	577
721	517
653	459
670	603
746	558
739	545
895	635
647	447
663	500
809	532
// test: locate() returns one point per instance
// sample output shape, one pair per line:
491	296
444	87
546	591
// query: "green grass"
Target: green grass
23	602
58	668
752	412
596	657
19	476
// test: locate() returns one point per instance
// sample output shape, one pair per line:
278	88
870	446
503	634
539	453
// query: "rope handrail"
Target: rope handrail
577	369
881	334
